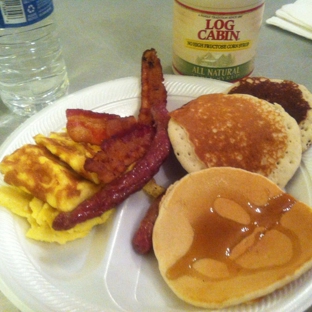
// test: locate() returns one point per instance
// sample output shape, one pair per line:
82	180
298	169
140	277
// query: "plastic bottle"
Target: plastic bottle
216	38
32	69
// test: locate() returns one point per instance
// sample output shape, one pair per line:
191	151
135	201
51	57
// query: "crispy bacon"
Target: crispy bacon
142	241
145	168
150	89
91	127
119	152
121	188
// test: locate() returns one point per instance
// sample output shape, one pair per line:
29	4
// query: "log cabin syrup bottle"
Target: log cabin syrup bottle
216	38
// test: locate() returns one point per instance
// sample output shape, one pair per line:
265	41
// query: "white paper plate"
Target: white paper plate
101	272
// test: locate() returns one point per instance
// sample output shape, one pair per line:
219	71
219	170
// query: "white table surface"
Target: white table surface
104	40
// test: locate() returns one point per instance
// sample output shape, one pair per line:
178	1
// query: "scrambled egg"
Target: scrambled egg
15	200
36	171
40	216
74	154
47	178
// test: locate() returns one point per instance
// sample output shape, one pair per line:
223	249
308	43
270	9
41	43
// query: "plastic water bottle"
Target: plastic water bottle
32	69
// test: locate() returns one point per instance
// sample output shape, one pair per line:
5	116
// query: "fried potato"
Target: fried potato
153	189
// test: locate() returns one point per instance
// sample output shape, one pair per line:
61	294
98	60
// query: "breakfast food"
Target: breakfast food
40	215
92	127
239	131
146	167
70	152
120	152
253	134
295	98
40	186
62	174
142	241
226	236
41	219
36	171
15	200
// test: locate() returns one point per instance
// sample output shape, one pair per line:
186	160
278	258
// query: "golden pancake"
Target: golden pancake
295	98
36	171
226	236
238	130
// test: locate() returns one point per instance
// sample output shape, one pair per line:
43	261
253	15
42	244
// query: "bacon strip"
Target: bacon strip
145	168
142	241
151	91
91	127
119	152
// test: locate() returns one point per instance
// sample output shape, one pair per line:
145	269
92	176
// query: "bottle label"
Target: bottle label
17	13
218	45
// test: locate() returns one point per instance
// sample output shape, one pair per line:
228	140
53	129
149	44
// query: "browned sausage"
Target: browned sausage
142	240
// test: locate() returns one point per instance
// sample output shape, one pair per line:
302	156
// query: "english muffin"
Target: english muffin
238	130
226	236
295	98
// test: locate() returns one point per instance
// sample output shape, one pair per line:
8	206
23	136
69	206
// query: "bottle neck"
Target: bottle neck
15	14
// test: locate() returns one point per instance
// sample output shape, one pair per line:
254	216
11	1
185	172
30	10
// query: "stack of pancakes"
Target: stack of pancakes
254	131
227	233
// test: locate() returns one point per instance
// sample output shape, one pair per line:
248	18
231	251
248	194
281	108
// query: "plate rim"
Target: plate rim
170	80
